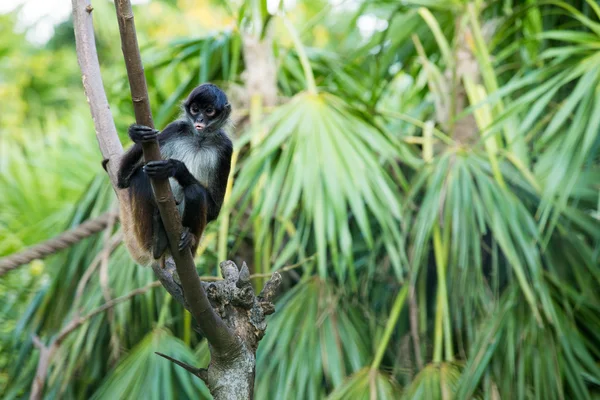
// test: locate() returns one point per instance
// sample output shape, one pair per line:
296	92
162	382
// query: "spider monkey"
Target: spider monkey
197	160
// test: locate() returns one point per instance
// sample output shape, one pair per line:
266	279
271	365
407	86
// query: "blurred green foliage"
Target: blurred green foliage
440	191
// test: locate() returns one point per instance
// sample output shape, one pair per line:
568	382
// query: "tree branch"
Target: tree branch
106	132
201	373
229	314
217	333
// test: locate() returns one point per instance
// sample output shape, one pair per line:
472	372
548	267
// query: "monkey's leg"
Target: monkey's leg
160	242
194	214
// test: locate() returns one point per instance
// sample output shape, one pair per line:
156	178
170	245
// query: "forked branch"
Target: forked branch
211	325
230	315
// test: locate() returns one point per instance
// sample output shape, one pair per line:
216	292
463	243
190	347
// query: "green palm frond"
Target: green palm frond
435	382
143	374
501	229
533	360
463	195
317	339
38	182
215	57
323	160
367	384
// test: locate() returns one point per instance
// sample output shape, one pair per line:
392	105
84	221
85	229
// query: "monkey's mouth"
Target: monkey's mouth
199	126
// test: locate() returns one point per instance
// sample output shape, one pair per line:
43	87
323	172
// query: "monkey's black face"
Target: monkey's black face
207	108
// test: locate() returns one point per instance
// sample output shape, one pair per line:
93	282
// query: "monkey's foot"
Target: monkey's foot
162	169
142	134
187	239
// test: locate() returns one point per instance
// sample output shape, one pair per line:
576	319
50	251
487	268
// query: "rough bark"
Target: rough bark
233	320
230	374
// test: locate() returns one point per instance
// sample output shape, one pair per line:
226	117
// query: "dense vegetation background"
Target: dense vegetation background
433	166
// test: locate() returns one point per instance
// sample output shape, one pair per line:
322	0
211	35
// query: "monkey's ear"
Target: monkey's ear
228	107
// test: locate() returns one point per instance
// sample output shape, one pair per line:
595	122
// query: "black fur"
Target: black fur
160	242
217	193
208	95
205	96
208	150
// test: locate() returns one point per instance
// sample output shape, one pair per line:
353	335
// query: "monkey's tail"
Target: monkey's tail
134	239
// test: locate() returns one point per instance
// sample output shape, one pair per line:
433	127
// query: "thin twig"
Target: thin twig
109	304
201	373
47	352
284	269
42	369
115	241
210	278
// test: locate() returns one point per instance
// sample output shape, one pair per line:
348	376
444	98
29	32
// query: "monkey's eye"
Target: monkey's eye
194	109
210	111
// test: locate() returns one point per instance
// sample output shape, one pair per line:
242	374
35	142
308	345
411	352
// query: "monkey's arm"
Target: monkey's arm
216	193
128	164
194	213
141	134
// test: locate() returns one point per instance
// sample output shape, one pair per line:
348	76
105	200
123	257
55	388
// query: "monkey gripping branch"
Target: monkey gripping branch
227	312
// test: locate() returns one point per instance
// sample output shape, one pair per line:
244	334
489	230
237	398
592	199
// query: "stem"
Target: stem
428	141
438	331
163	312
389	328
187	327
422	301
414	326
515	143
418	123
256	113
443	311
308	73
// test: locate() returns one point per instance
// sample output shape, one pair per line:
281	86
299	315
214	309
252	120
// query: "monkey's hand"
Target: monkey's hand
142	134
187	239
162	169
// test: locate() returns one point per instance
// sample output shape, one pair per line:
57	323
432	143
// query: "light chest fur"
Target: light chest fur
200	158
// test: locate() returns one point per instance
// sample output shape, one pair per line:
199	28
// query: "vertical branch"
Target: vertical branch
133	62
389	327
87	57
210	323
234	333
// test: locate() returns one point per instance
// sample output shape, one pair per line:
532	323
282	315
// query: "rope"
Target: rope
60	242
